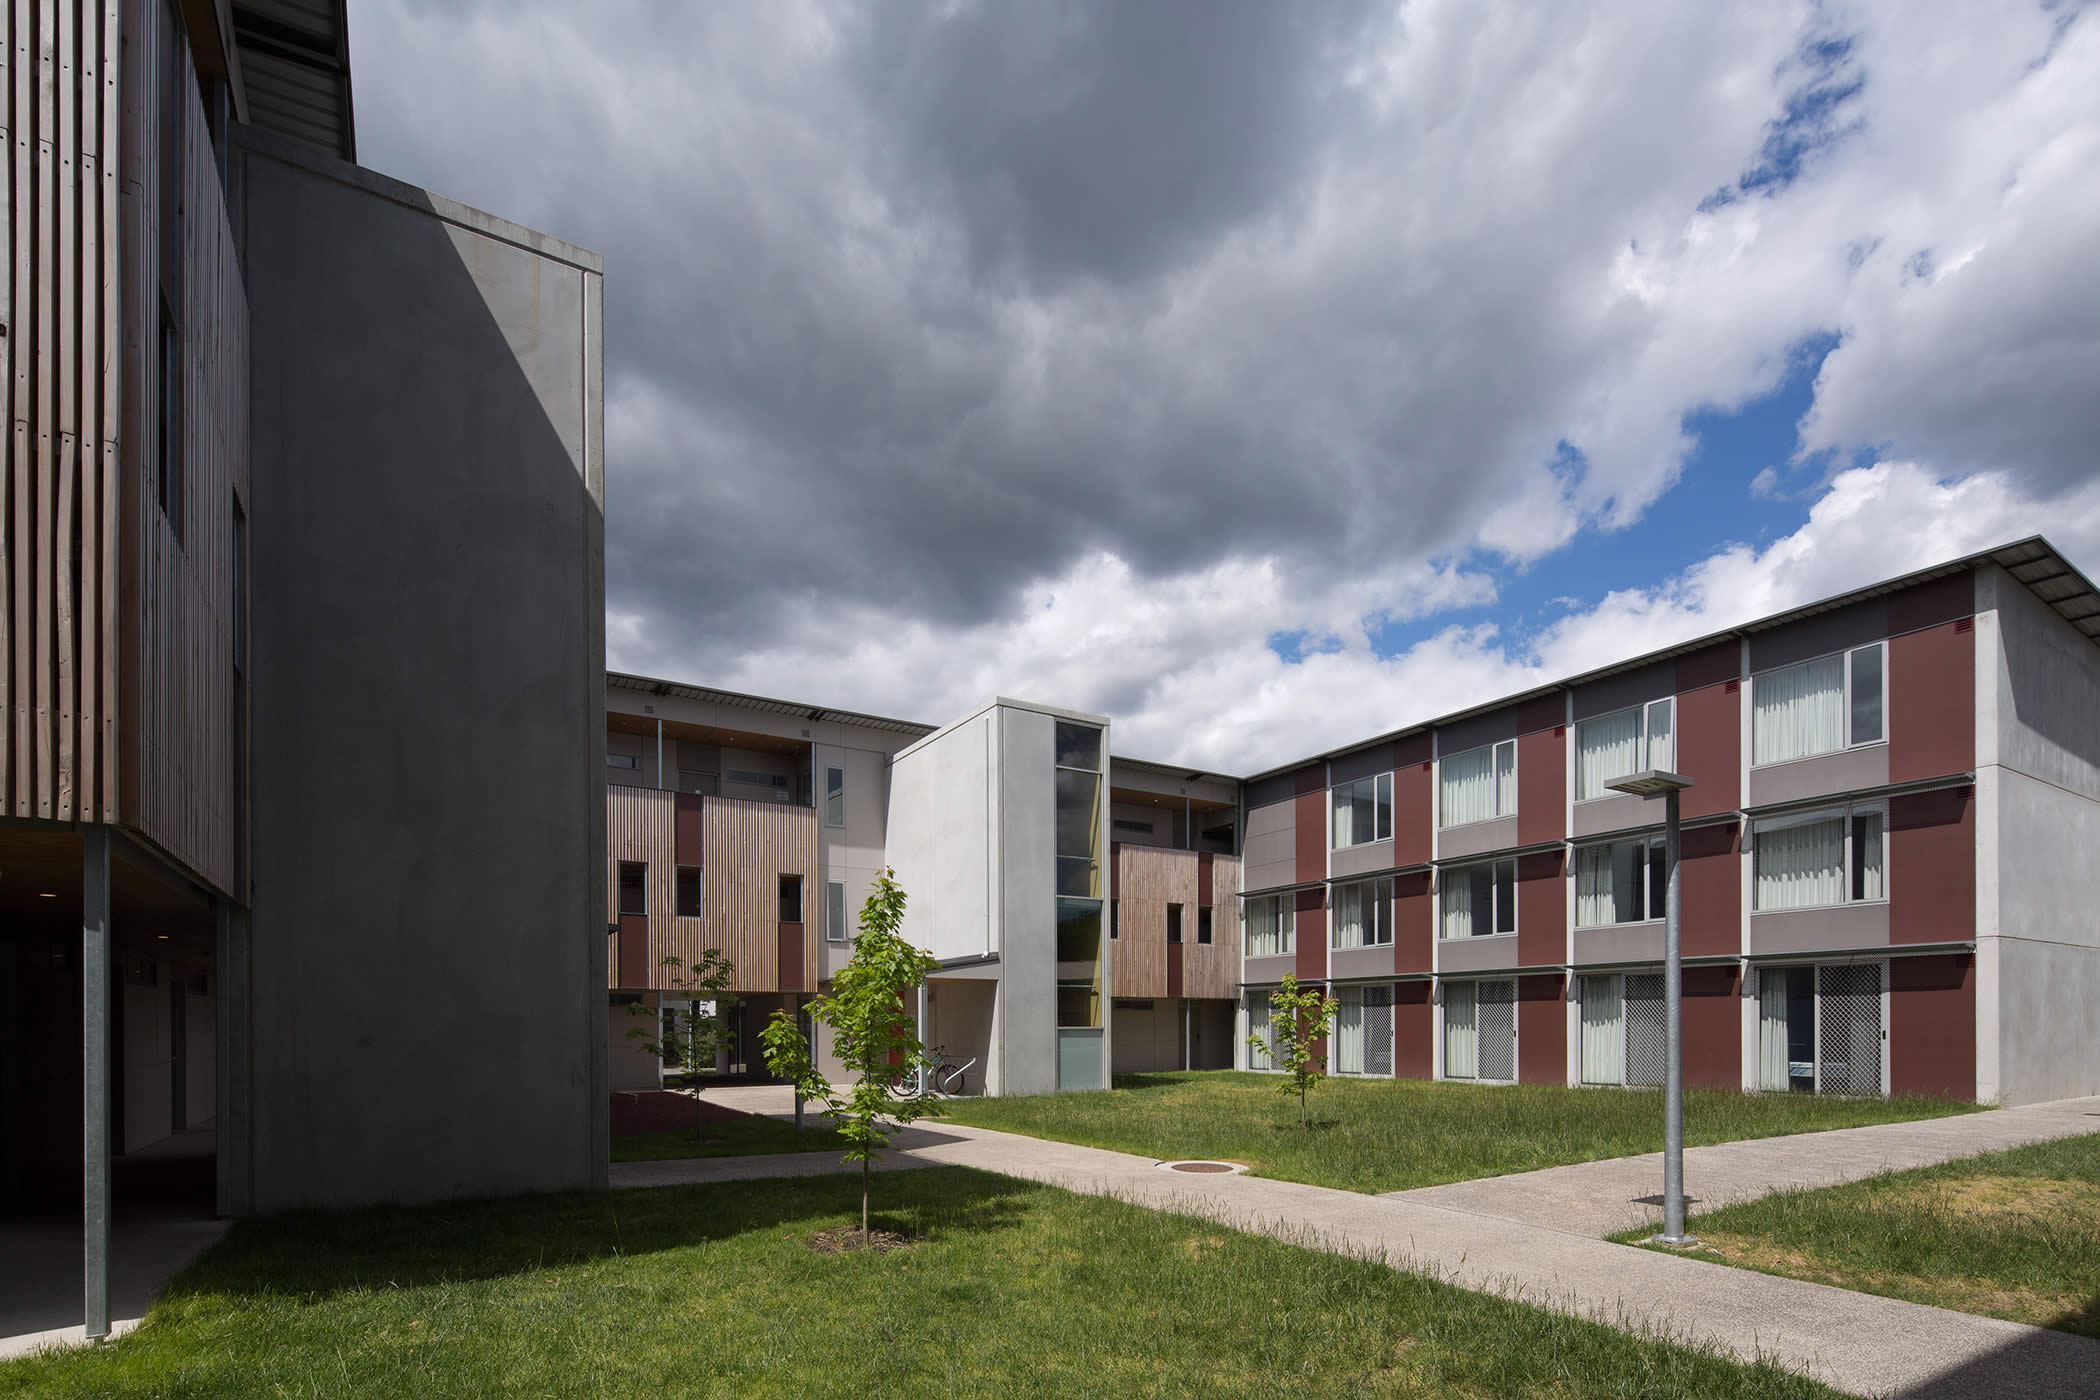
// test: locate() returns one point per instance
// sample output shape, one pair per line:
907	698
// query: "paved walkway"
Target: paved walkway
1855	1341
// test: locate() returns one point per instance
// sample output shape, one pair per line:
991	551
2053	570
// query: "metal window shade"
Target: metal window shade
1498	1030
1647	1030
1848	1040
1378	1031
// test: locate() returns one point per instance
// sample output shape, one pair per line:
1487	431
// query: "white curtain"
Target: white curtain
1605	748
1798	711
1349	929
1661	750
1458	904
1594	905
1349	1033
1505	778
1468	786
1258	1025
1866	856
1771	1029
1267	928
1801	867
1603	1032
1461	1032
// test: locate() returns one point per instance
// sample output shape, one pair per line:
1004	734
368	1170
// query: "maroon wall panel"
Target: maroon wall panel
1542	785
1542	909
1414	811
1710	880
1710	748
1932	703
1312	835
1942	600
1932	866
1713	1028
1414	923
1932	1026
1115	869
1312	935
1414	1031
1174	969
686	815
1542	1031
1718	664
791	977
1206	879
1543	712
634	950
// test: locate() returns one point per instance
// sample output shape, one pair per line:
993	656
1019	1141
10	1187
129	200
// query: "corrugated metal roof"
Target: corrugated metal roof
294	58
620	680
1179	771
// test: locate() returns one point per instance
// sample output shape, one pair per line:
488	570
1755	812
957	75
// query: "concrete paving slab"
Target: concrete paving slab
41	1286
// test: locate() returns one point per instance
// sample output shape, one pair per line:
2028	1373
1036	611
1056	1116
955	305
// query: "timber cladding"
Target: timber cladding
1150	878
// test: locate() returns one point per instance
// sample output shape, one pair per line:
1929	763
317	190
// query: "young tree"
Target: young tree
873	1032
689	1040
1298	1022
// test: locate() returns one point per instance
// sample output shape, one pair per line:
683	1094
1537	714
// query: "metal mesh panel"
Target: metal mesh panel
1378	1031
1647	1030
1848	1038
1498	1030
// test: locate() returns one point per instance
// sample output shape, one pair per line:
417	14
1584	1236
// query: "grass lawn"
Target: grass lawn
1013	1288
739	1137
1394	1134
2007	1234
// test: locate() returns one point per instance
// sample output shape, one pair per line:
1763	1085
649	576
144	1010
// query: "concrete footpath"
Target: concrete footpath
1526	1239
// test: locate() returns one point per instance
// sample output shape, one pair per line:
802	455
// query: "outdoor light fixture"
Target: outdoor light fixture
1655	782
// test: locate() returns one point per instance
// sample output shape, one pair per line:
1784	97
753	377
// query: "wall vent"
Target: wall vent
1965	624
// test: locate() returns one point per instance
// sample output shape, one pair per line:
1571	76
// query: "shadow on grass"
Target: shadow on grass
317	1254
2083	1321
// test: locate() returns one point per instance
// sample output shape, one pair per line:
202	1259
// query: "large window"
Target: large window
1478	900
1620	883
1078	800
1819	706
1478	785
1258	1020
1816	859
1625	1037
1363	1031
1078	963
834	797
1269	926
1819	1029
835	929
1363	811
1363	914
1626	741
1480	1030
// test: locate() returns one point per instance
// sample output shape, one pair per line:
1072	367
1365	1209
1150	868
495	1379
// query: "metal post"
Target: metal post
659	754
922	1031
94	1053
1673	1030
809	1035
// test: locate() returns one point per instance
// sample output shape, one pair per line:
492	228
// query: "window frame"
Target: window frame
1380	928
1286	907
835	797
1647	737
620	888
1381	810
835	927
1845	703
1493	864
1205	928
1847	814
1175	919
1652	857
678	909
801	888
1494	783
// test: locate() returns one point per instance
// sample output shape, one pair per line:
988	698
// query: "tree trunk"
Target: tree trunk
1301	1104
864	1168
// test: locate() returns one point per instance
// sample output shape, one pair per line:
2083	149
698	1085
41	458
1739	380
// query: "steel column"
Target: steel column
1673	1032
95	1054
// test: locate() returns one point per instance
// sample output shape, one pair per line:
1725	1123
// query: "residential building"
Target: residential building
1883	876
301	641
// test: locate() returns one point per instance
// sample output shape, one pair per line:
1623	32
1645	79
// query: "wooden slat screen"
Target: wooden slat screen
1213	969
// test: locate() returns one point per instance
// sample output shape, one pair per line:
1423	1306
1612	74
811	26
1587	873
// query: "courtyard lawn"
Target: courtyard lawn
1013	1288
1395	1134
2006	1234
738	1137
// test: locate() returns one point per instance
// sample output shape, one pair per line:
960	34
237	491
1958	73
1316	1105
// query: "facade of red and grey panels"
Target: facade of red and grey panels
1886	868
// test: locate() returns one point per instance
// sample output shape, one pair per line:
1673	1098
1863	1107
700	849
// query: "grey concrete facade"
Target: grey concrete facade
426	961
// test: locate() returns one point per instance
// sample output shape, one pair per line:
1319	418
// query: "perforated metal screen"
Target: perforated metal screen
1647	1032
1848	1034
1378	1030
1498	1030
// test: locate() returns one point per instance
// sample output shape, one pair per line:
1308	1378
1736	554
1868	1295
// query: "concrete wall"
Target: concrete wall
1028	902
629	1065
851	855
941	837
429	1014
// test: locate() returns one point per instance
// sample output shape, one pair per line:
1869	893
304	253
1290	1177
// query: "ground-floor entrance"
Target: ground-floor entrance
1163	1033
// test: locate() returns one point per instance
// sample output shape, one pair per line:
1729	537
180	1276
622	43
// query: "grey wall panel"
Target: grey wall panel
1819	930
1263	792
1490	728
1360	860
1267	972
1344	963
1851	770
1495	953
1620	943
1625	690
1271	851
1363	763
1028	902
1820	635
2048	686
1618	812
1476	838
2049	1015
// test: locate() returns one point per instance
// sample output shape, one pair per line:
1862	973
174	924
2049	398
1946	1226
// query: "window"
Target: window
1480	1030
1270	921
1078	810
1258	1019
1819	706
634	887
835	929
1363	1031
1363	914
1363	811
1078	746
1478	785
1135	828
622	760
750	779
1479	900
834	797
1620	883
1816	859
170	367
1115	919
1627	741
1078	963
1821	1029
1624	1031
1173	923
1203	923
791	899
691	890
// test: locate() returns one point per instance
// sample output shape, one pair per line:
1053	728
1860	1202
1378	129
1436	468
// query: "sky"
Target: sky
1266	377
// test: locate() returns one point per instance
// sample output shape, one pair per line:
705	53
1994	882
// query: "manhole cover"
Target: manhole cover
1204	1168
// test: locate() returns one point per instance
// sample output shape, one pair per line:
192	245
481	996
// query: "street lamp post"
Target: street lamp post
1655	782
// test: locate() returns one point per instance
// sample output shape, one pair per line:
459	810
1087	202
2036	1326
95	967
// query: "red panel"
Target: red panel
634	950
1312	935
1932	866
1719	663
1546	712
1206	878
1542	785
1311	817
1414	813
1931	703
686	809
1542	909
1710	881
1115	869
791	958
1414	923
1542	1031
1713	1028
1932	1026
1710	748
1414	1031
